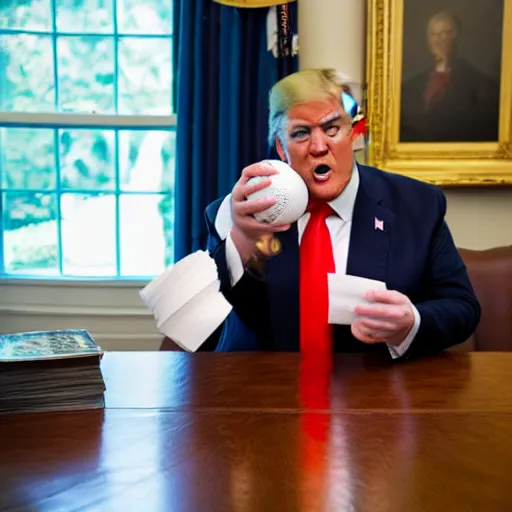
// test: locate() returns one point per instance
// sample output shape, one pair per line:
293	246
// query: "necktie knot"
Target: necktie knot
319	209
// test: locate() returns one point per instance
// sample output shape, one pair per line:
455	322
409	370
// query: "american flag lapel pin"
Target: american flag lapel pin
379	224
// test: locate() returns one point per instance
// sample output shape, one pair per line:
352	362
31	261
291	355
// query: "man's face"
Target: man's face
441	38
319	147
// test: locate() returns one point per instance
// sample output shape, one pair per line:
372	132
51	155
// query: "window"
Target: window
87	138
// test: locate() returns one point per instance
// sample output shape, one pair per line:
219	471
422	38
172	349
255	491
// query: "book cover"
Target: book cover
43	345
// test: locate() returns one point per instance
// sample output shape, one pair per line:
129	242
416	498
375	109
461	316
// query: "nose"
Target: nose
318	145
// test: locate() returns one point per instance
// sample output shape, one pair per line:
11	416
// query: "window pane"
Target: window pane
87	159
27	84
22	169
85	16
145	76
24	15
86	74
145	233
113	187
88	234
140	151
148	17
30	233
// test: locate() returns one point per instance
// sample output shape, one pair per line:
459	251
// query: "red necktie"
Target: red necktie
316	261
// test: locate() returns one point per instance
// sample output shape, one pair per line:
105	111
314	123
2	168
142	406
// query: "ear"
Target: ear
280	150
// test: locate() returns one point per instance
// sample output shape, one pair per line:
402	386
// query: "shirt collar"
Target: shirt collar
343	205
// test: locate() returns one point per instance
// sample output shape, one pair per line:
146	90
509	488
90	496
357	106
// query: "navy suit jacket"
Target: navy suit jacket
415	254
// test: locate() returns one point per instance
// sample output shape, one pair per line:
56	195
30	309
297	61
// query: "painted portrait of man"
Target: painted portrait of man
450	92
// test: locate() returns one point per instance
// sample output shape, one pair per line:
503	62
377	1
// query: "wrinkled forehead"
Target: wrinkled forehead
315	113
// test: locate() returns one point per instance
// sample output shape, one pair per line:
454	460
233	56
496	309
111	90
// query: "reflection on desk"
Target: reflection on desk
210	432
160	461
182	381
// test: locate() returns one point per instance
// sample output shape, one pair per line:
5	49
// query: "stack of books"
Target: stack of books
50	371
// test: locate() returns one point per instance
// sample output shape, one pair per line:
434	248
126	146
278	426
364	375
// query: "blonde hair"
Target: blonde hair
297	88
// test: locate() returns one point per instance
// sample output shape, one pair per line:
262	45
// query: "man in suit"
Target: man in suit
377	225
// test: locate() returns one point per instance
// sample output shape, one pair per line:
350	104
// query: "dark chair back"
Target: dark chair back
490	272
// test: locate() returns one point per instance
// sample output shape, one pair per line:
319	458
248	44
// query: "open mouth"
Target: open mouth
322	172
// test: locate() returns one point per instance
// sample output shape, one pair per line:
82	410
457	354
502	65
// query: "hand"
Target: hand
246	229
389	319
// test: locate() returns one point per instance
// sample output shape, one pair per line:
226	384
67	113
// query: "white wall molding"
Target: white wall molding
112	311
114	341
63	310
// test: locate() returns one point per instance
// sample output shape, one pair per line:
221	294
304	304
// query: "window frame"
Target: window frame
86	120
78	121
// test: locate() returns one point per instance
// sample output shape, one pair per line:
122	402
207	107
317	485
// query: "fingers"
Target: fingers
263	168
247	208
259	169
366	335
387	297
243	190
254	185
251	225
385	304
384	322
253	206
381	311
244	209
373	325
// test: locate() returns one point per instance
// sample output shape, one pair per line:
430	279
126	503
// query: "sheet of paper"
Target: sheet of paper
345	293
186	301
190	327
180	282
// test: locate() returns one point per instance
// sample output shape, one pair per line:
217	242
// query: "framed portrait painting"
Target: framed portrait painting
439	89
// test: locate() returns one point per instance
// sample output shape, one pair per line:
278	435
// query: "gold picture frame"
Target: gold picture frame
447	163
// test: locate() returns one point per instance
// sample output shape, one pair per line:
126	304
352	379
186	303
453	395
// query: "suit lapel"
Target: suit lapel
283	291
372	227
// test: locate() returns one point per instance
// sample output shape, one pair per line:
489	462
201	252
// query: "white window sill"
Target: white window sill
75	281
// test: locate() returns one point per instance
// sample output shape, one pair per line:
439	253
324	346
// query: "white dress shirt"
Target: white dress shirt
339	225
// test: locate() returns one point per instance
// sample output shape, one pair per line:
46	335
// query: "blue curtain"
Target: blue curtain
224	74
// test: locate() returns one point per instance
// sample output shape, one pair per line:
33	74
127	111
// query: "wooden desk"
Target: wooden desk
178	381
228	432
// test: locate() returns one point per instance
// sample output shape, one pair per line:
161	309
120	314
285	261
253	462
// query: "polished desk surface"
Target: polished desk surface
224	432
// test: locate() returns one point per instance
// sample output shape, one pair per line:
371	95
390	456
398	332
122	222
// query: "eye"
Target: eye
332	130
299	134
